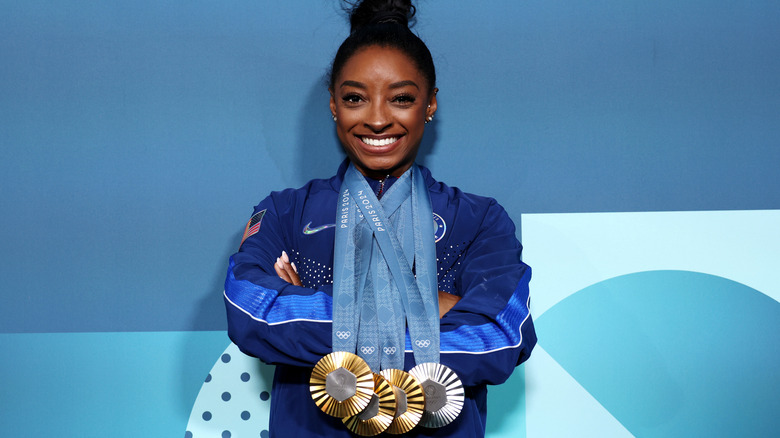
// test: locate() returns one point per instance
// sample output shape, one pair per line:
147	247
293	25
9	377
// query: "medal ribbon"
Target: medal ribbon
385	272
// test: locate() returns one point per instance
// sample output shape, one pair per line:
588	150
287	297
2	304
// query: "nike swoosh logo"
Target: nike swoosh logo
307	230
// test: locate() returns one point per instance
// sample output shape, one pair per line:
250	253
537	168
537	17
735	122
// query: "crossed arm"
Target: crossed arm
287	271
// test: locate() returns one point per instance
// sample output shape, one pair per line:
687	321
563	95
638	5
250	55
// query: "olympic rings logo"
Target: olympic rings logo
389	350
423	343
343	335
367	350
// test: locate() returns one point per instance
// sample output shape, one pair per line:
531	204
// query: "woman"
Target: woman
281	302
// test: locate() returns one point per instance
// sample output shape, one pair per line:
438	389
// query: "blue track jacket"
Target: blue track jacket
483	338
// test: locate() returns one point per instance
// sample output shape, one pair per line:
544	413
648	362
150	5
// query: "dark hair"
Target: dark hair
384	23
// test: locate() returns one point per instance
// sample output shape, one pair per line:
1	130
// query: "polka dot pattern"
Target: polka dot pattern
312	272
234	399
449	262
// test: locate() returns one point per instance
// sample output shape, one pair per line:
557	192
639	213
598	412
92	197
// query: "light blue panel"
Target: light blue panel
672	353
103	384
506	407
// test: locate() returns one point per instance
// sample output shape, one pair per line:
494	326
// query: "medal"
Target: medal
444	393
378	415
410	400
341	384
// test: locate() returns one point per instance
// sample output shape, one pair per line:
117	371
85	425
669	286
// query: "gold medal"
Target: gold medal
341	384
410	400
378	415
444	393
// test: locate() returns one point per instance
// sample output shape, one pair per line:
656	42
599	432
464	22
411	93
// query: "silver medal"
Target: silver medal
444	393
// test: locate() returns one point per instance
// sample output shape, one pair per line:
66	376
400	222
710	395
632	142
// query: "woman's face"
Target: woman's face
381	101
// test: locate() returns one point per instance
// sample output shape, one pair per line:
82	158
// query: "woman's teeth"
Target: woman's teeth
379	141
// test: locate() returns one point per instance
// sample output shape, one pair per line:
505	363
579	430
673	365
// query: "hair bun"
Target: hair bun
369	12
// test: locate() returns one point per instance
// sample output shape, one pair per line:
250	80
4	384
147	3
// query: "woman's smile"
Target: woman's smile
379	141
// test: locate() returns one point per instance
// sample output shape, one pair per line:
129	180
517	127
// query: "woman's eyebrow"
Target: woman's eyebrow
402	84
353	84
393	86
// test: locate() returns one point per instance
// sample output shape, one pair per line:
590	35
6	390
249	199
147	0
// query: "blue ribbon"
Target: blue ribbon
385	272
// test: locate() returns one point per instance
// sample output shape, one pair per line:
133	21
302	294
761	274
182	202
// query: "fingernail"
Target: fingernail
285	258
278	262
294	268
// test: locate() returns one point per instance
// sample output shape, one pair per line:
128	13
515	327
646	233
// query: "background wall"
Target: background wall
136	137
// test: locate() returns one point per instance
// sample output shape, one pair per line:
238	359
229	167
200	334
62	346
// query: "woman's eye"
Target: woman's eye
404	99
351	98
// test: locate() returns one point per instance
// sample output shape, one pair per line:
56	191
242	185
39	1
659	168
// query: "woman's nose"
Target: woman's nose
378	118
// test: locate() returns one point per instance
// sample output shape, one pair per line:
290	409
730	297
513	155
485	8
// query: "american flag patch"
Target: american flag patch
253	225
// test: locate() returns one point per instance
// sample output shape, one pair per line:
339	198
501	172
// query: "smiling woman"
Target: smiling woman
388	298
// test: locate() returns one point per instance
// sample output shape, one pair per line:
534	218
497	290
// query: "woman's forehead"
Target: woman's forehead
381	66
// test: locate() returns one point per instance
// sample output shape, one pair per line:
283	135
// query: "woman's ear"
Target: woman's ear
332	104
432	104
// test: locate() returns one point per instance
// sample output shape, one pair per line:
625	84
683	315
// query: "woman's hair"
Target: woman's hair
384	23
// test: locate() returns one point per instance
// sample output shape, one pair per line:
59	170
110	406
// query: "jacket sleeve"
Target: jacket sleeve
490	331
267	317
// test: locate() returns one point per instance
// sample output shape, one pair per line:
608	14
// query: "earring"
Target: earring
429	119
334	117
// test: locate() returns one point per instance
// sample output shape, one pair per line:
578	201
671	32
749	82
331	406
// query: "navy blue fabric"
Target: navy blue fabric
483	338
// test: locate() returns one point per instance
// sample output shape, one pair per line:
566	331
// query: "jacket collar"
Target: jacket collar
336	180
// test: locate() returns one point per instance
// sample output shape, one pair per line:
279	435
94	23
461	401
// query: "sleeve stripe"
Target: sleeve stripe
265	305
487	327
271	323
507	333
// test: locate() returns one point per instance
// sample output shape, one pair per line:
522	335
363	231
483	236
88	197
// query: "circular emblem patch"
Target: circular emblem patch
439	227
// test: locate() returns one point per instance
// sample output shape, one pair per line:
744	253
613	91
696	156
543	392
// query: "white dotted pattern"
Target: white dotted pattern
311	272
449	265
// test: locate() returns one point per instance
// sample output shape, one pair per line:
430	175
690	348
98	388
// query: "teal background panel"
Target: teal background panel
102	384
654	324
506	407
672	353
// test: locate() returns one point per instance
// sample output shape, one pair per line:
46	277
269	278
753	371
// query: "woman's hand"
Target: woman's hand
446	302
286	270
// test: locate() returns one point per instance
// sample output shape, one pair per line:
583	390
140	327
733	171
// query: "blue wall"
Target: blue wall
136	137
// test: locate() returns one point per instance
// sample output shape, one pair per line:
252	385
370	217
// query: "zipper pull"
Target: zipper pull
381	187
